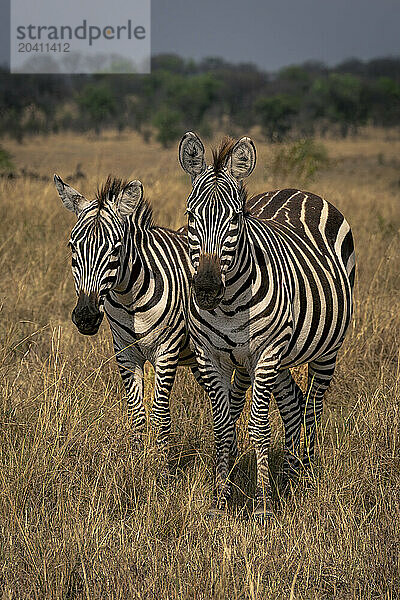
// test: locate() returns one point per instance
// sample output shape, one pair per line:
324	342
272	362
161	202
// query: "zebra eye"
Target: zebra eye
71	245
235	219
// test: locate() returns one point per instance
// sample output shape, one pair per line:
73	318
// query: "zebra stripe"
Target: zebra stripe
269	293
140	275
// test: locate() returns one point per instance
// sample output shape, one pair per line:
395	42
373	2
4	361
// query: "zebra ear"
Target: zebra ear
70	197
243	158
191	154
129	199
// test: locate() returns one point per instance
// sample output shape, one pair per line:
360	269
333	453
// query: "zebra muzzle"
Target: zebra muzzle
207	283
87	315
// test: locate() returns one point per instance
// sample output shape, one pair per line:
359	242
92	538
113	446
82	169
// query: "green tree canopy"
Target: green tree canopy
98	103
276	115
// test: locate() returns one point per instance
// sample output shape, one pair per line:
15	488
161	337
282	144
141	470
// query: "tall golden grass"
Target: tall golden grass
84	515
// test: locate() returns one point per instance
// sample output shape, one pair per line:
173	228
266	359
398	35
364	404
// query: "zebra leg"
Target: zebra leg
289	399
234	448
260	434
237	398
320	373
196	374
131	369
216	383
237	395
165	369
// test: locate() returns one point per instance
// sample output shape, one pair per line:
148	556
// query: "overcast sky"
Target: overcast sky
274	33
270	33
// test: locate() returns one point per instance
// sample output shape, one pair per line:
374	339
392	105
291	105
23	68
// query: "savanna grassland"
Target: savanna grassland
83	514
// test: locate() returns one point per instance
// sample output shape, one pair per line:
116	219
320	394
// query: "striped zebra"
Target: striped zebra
269	293
139	275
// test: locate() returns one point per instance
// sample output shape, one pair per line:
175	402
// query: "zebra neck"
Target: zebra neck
254	271
134	271
243	261
242	271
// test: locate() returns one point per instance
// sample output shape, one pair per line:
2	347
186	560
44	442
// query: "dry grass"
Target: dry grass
83	516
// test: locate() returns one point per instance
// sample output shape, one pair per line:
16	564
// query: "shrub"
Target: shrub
276	115
167	124
301	160
98	104
6	164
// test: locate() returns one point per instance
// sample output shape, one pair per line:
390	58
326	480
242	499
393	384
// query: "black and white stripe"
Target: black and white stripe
269	293
139	275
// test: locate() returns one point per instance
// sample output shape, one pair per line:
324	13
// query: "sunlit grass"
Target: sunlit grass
83	513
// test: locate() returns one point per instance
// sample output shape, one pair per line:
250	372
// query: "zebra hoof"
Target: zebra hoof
262	514
215	513
263	519
218	509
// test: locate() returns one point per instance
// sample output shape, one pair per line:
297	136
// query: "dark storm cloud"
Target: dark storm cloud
270	33
279	32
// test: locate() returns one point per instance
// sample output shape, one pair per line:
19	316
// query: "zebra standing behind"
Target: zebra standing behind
268	294
139	275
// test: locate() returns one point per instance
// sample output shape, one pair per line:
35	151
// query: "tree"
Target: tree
191	96
98	104
168	62
295	77
341	99
167	122
384	101
276	115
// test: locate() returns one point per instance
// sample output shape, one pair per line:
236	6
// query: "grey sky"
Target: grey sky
274	33
90	49
270	33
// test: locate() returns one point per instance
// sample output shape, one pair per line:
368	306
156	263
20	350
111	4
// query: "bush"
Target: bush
6	164
98	104
276	115
167	123
301	160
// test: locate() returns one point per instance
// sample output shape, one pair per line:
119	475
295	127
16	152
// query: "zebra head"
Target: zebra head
97	244
215	209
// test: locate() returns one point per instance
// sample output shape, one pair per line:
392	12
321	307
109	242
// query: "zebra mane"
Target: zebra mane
111	189
143	216
244	196
222	153
220	156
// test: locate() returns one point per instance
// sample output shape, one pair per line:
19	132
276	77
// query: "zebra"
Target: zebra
139	275
268	294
